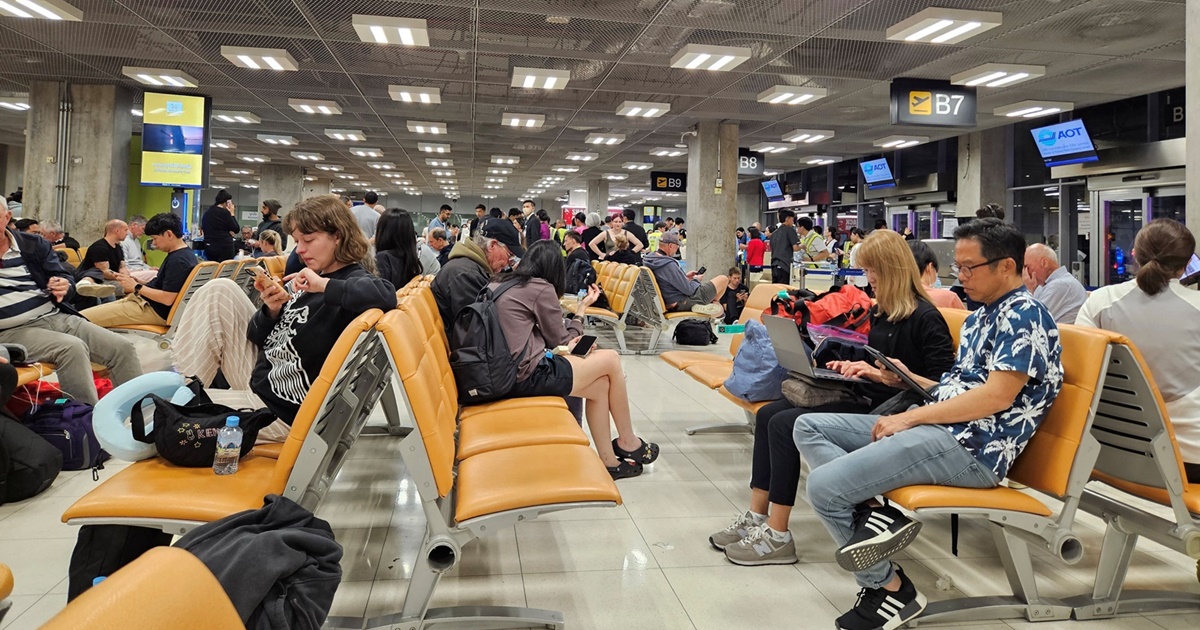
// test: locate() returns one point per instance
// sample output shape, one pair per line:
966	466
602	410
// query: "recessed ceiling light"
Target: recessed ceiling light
540	78
42	9
347	135
819	160
705	57
643	109
581	156
15	103
605	138
637	166
807	136
447	181
307	156
433	128
668	151
246	118
137	113
159	77
900	142
772	147
565	168
241	171
492	187
997	75
378	29
496	180
414	94
277	140
443	173
367	153
330	167
259	58
382	166
488	196
439	163
223	144
524	121
495	170
791	95
505	159
1034	109
428	147
256	159
615	177
308	106
937	25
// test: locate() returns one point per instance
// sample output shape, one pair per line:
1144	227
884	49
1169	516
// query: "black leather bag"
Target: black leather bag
186	435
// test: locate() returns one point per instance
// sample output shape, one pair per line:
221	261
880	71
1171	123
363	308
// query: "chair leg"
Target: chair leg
726	427
1108	598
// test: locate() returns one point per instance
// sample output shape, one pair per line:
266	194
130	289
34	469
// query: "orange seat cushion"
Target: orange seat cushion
150	328
592	311
531	476
752	407
682	359
268	449
32	373
153	488
711	375
6	582
916	498
671	316
508	428
1191	491
539	402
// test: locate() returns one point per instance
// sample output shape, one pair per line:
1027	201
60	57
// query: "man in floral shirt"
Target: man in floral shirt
1007	374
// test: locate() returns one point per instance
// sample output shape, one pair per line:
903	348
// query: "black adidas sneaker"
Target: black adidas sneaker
879	533
881	609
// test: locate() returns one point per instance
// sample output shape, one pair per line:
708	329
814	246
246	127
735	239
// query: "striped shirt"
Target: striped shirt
21	300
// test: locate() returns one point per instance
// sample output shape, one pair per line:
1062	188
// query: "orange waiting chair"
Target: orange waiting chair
666	320
200	276
6	589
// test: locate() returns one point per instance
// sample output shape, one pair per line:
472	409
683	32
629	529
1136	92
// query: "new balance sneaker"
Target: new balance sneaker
735	532
95	290
881	609
760	547
878	533
712	310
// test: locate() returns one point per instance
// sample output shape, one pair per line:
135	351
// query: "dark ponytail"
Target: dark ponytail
1162	250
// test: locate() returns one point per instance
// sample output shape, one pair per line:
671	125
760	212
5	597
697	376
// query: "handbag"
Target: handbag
756	374
806	392
186	435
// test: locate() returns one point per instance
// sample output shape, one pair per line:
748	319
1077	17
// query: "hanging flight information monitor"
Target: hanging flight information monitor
931	103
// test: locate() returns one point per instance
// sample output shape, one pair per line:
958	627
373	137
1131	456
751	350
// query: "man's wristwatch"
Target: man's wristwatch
137	289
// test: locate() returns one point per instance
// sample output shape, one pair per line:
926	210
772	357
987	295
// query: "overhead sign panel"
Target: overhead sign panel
1065	143
928	103
661	181
749	162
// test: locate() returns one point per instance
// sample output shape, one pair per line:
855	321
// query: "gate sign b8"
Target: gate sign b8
930	103
749	162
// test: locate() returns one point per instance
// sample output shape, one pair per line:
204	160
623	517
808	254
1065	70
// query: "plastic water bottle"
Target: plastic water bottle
229	447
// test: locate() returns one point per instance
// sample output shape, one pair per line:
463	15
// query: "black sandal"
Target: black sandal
626	468
646	453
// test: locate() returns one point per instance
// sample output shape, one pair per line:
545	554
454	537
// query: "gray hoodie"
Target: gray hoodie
674	284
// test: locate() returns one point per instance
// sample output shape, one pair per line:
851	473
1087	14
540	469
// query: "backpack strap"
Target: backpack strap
137	420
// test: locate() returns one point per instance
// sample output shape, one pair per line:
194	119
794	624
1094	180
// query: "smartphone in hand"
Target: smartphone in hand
259	272
701	271
584	345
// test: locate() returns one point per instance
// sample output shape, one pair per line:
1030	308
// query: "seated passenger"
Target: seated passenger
622	254
1172	344
927	263
734	300
131	249
573	244
904	324
1007	374
271	355
35	312
1052	284
268	244
396	258
683	292
533	325
97	274
472	263
151	303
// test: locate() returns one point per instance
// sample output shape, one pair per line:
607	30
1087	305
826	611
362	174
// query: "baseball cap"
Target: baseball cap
502	230
669	237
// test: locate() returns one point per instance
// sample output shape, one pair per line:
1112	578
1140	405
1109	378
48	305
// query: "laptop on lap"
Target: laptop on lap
794	354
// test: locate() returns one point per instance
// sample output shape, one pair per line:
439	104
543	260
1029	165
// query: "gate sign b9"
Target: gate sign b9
661	181
930	103
749	162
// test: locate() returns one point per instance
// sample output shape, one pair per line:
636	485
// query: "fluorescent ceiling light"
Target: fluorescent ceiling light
523	121
256	159
643	109
492	187
540	78
615	177
223	144
565	168
637	166
160	77
330	167
15	103
900	142
447	181
819	160
382	166
505	159
1033	109
705	57
378	29
500	171
488	196
432	128
428	147
347	135
414	94
772	147
496	180
581	156
259	58
307	156
668	151
997	75
605	138
443	173
440	163
936	25
791	95
42	9
367	153
246	118
137	113
278	140
307	106
808	136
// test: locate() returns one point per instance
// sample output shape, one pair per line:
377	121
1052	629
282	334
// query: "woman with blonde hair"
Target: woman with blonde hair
904	325
270	355
269	242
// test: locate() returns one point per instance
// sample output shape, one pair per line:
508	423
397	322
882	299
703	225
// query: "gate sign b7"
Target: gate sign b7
749	162
929	103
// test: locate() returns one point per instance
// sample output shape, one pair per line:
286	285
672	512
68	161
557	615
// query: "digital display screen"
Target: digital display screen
771	187
174	140
877	174
1065	143
1193	266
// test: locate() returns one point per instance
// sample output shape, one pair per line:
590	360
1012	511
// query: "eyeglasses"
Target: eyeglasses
966	272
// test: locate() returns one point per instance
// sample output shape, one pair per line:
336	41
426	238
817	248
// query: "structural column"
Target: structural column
319	186
597	197
1192	81
712	210
981	171
283	183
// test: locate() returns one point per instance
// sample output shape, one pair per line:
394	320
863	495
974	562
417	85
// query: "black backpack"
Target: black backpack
693	332
484	370
28	463
580	276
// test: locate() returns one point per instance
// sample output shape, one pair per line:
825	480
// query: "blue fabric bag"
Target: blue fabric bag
757	375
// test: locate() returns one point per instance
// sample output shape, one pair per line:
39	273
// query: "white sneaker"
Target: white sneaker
712	310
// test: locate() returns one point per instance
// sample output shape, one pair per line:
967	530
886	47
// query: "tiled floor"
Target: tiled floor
646	564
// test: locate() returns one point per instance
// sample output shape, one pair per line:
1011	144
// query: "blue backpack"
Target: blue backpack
757	375
67	425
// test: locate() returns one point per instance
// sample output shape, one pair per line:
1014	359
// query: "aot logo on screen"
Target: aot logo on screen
876	170
1068	137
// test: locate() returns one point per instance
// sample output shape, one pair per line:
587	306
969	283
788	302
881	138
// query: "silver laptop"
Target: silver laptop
794	355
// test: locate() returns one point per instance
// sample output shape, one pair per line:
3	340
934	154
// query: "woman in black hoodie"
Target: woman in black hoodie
219	226
396	258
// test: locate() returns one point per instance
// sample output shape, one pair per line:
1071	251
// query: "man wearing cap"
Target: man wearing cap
471	264
683	292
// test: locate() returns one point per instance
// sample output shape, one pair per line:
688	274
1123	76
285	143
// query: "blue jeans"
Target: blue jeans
848	469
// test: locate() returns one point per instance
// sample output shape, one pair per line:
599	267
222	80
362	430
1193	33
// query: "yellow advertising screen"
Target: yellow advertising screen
173	140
